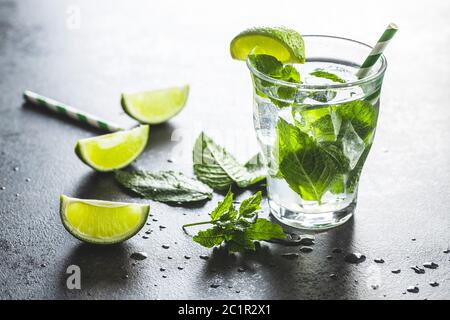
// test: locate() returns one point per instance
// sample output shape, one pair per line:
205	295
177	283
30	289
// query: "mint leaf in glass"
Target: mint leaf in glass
164	186
327	75
361	114
305	166
219	169
273	68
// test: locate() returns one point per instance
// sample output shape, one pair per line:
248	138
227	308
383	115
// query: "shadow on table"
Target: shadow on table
101	267
305	277
97	185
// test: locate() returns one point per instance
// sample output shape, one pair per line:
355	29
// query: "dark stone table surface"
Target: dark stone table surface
86	53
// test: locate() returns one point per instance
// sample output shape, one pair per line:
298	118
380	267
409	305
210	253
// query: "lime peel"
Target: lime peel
284	44
157	106
114	150
102	222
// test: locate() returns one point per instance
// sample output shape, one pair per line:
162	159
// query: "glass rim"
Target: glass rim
358	82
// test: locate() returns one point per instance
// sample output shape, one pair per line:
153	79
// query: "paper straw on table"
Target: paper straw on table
377	50
70	112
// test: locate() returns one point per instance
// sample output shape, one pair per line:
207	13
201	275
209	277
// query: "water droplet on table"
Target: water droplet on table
379	260
2	188
418	269
145	237
413	289
165	246
162	227
162	269
355	257
445	251
16	169
214	285
396	271
306	249
187	257
138	255
27	180
329	257
180	268
290	255
375	286
430	265
333	276
434	284
169	160
155	220
204	257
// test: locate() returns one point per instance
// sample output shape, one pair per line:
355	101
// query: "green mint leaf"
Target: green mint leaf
239	242
338	184
266	64
323	96
362	115
337	155
307	169
290	74
250	205
164	186
210	237
353	176
218	168
224	206
237	230
264	229
327	75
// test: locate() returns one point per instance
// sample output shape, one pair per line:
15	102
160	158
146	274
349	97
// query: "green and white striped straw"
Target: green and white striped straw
70	112
377	50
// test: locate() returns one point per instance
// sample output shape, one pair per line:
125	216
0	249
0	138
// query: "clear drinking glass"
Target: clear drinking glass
315	135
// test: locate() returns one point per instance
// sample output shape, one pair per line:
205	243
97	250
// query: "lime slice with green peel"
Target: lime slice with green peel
102	222
156	106
284	44
113	151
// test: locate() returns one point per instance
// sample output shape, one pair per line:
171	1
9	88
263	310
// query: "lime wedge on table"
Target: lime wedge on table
102	222
156	106
284	44
113	151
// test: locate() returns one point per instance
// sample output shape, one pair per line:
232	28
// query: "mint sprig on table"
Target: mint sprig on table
219	169
237	228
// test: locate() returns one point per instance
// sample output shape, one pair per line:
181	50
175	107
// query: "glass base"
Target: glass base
312	221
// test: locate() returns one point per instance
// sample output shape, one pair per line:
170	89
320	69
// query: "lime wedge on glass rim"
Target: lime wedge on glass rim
157	106
102	222
114	150
282	43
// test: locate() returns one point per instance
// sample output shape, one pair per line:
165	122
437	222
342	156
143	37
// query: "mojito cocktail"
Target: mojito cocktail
315	123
